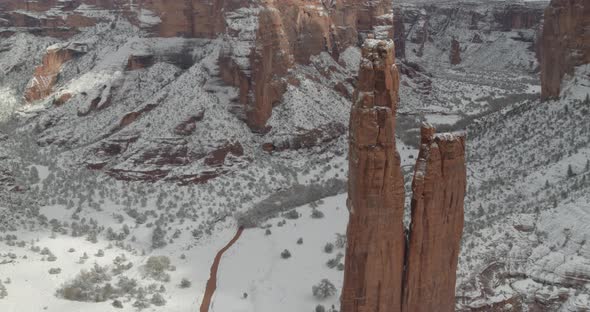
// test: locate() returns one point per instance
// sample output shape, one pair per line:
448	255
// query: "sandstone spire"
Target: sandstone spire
383	271
437	223
375	253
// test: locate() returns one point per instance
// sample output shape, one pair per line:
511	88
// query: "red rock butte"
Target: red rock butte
384	271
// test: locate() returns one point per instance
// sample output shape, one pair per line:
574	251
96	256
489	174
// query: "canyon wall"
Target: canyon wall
565	43
384	270
289	33
263	40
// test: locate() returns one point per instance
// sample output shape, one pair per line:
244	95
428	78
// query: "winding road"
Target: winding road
212	282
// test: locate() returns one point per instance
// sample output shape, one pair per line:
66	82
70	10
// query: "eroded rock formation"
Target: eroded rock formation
46	74
437	223
385	271
565	42
288	33
455	55
375	252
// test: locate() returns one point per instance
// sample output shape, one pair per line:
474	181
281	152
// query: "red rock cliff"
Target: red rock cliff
565	42
375	253
437	223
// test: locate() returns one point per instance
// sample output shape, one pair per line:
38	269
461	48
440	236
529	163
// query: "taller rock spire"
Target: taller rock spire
375	253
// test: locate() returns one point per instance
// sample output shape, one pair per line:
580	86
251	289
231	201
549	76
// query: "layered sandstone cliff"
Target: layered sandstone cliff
375	252
565	42
384	270
437	223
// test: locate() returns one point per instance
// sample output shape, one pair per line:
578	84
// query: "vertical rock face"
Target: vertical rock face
516	16
437	223
270	61
399	33
455	54
188	18
565	42
384	271
375	253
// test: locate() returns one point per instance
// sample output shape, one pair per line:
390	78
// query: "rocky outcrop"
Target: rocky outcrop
136	62
376	242
455	55
565	43
437	223
47	74
384	271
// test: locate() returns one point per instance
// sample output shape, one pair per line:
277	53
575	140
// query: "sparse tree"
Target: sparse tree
323	289
185	283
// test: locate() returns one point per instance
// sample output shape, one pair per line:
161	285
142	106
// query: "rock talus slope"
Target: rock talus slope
375	253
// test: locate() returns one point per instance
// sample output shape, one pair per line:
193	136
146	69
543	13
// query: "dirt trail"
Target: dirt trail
212	282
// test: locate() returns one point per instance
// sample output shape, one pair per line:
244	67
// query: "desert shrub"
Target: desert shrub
320	308
334	262
329	247
316	214
300	241
127	285
156	267
54	271
291	215
117	304
158	300
3	291
87	286
158	238
285	254
185	283
323	289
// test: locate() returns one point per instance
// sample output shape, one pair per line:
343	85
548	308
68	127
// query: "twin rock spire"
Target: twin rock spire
385	271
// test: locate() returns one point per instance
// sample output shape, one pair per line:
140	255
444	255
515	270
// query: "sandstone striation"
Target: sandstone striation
384	270
47	74
376	241
437	223
565	43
